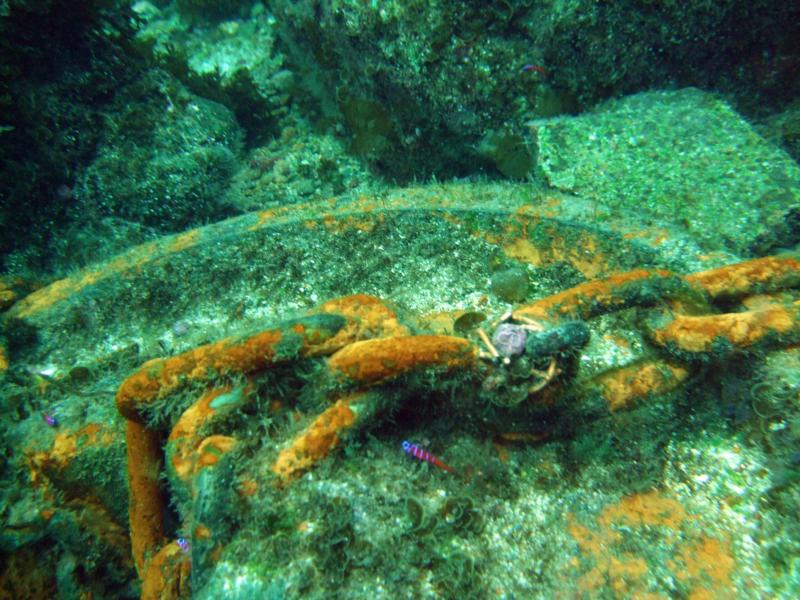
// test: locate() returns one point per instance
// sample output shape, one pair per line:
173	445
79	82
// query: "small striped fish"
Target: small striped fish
421	454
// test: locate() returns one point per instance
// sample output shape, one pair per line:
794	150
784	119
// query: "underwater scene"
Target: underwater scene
385	299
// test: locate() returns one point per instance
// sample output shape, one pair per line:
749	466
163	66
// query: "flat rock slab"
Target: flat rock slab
428	249
682	157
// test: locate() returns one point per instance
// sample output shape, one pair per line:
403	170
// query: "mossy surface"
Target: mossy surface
537	476
281	145
656	155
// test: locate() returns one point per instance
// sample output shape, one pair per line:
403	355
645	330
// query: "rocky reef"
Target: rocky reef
261	408
333	299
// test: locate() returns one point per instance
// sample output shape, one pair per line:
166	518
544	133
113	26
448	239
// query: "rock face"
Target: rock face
168	159
679	157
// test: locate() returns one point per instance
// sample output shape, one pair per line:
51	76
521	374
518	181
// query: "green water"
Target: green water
186	186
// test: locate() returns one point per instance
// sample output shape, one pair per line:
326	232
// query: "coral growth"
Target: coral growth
622	388
318	439
168	574
612	555
229	356
300	393
633	288
757	276
775	323
375	361
146	503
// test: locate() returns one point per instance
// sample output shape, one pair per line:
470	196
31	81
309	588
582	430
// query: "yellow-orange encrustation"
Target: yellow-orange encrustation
372	362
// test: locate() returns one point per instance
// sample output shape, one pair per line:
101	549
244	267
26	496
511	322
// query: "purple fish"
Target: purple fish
184	544
50	419
419	453
528	67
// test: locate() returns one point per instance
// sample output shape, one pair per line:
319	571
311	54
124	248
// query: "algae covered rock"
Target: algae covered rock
510	285
509	152
682	157
205	10
296	166
235	61
167	159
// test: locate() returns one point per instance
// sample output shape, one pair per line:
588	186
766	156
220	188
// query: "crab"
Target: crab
525	325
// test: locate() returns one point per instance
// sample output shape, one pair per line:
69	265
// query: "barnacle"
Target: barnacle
509	339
